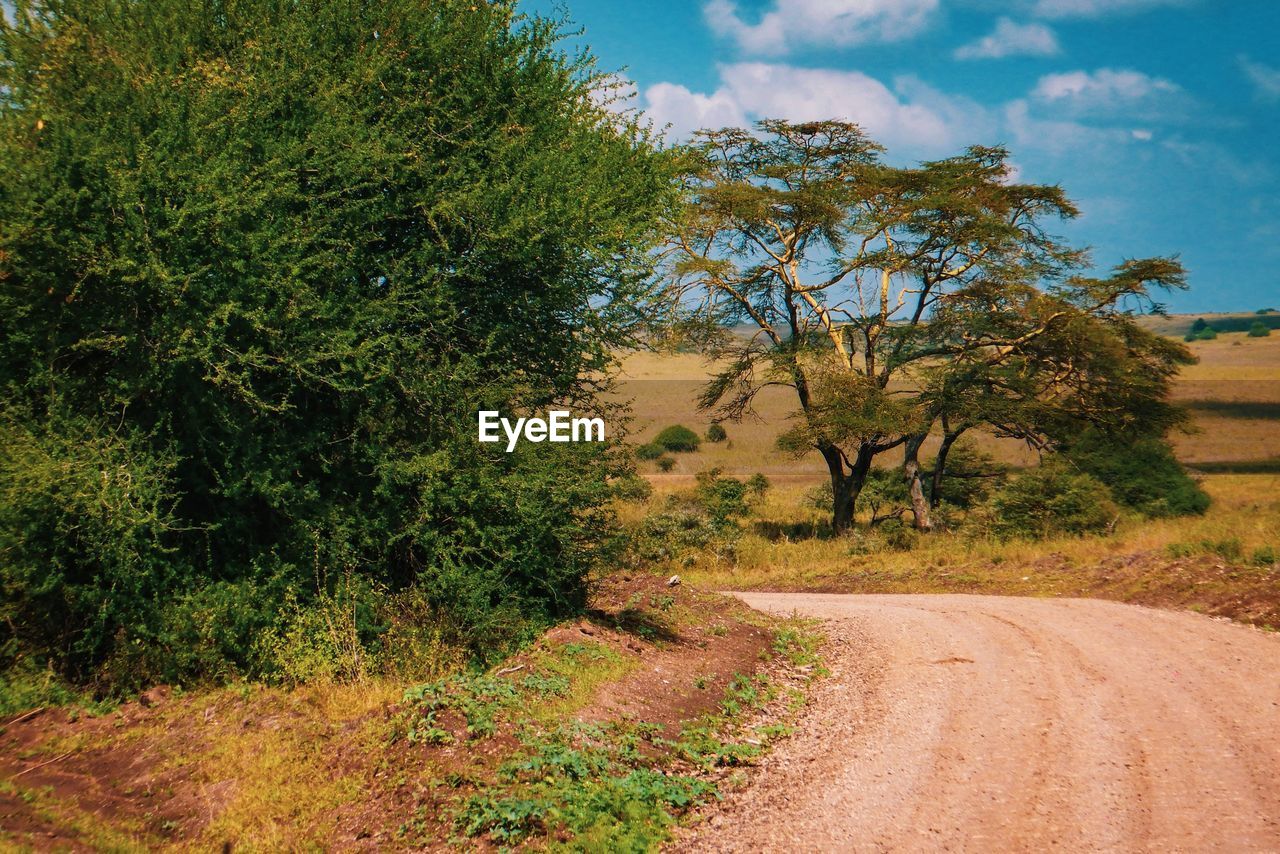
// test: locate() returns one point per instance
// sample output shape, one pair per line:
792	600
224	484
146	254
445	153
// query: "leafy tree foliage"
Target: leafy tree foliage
892	300
261	263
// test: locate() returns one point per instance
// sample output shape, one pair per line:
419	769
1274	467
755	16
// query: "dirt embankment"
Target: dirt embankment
975	723
318	767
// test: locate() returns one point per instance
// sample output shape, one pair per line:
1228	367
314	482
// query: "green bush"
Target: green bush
1051	500
1208	333
884	495
632	487
88	537
666	463
758	485
716	433
819	497
680	529
260	271
1142	474
702	520
650	451
1259	330
970	476
723	498
677	439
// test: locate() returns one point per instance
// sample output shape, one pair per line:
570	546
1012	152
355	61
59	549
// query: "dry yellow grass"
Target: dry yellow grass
1233	392
1216	563
1222	563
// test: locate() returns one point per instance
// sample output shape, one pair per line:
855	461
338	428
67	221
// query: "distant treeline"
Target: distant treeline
1180	325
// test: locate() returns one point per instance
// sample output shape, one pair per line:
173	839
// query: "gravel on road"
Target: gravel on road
981	723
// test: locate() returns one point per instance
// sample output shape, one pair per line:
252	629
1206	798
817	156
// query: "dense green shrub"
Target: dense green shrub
650	451
680	530
1142	474
678	439
87	535
970	476
716	433
1259	330
261	266
1051	500
723	498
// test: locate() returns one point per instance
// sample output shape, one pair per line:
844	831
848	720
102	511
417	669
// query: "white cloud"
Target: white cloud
836	23
1055	135
1116	95
686	111
1011	39
1104	86
1098	8
912	116
1265	79
1063	117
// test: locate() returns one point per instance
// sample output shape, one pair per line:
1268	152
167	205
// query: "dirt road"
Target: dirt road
975	723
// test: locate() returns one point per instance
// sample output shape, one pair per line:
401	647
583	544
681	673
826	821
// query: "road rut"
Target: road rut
976	723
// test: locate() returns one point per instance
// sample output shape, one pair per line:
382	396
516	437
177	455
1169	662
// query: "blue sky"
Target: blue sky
1159	117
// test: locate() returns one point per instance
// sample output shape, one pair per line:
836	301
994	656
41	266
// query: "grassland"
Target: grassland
1224	562
1233	394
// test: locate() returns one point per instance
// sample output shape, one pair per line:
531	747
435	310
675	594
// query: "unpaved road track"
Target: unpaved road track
976	723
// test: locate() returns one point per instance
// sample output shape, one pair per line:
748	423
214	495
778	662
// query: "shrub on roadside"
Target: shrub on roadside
724	499
1048	501
666	463
258	276
1142	474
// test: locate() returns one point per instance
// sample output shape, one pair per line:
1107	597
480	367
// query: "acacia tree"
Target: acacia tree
891	299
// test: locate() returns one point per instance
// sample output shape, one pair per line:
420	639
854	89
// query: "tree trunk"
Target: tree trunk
940	465
845	484
911	474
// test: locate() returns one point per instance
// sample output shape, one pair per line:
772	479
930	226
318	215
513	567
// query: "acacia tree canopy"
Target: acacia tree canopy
892	299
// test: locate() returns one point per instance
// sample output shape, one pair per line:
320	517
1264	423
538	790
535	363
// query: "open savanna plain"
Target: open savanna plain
1222	563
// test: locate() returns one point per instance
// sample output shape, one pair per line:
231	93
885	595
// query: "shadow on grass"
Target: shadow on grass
793	531
1259	409
1271	466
